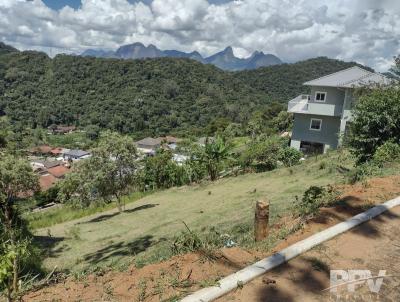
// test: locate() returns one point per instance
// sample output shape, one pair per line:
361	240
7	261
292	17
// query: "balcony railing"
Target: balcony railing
299	104
302	104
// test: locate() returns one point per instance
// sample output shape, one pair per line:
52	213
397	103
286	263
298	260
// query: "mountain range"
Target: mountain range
225	59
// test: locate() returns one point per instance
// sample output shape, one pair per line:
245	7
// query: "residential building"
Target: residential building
322	118
75	155
59	171
57	129
170	141
148	145
41	150
47	181
56	151
45	164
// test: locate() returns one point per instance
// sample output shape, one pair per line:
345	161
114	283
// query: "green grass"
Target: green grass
144	233
67	213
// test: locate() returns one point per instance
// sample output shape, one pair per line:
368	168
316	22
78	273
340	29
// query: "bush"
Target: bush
263	156
289	156
360	172
24	249
314	198
187	242
160	171
376	121
209	240
388	152
46	197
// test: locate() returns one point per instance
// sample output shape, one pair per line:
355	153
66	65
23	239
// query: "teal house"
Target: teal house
321	118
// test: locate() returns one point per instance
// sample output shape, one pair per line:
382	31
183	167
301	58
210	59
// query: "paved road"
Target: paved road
372	246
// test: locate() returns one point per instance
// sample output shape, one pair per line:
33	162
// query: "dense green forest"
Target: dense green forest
143	97
285	81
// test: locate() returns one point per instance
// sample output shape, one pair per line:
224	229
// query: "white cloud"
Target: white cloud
366	31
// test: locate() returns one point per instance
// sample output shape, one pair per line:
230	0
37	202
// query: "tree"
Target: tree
233	130
256	125
213	155
160	171
395	69
79	187
92	132
5	131
16	178
108	174
282	122
264	155
217	125
376	121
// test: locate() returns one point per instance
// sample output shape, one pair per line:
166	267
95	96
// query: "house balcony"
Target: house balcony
303	104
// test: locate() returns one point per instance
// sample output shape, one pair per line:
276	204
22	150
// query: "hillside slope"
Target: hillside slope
144	97
157	218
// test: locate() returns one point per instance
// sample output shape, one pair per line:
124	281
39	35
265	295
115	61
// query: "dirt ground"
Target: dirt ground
374	245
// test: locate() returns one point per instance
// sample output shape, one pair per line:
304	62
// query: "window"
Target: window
320	96
315	124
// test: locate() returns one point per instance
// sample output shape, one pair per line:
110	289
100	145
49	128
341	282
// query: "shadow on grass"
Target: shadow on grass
102	218
143	207
50	245
119	249
109	216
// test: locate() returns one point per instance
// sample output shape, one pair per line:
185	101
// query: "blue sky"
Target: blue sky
365	31
58	4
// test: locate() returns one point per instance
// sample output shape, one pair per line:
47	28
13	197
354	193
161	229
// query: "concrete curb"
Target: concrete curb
259	268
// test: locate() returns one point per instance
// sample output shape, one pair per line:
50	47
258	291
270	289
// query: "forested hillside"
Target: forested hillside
283	82
150	96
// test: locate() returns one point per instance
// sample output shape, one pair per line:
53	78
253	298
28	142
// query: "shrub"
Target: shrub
314	198
290	156
376	120
388	152
160	171
322	165
263	156
360	172
186	242
46	197
190	241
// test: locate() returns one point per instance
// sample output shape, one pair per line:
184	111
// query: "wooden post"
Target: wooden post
261	219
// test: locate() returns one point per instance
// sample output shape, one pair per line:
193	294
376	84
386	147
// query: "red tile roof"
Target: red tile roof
47	181
41	149
58	171
56	151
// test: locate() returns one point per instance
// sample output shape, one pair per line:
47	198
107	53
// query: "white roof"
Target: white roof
349	78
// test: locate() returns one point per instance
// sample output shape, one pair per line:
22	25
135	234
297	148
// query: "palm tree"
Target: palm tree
215	152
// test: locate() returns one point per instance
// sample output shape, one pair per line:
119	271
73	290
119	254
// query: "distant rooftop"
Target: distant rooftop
350	78
48	164
58	171
149	141
76	153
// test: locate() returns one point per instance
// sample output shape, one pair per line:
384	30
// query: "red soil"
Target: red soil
182	274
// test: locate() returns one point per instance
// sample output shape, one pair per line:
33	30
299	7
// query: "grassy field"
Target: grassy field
65	213
144	232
